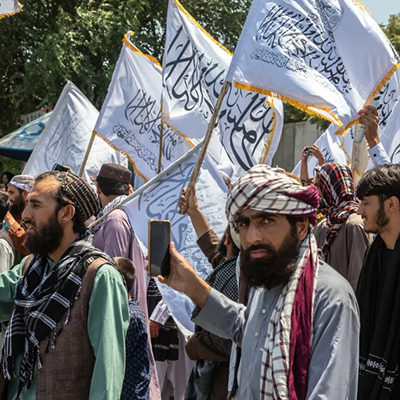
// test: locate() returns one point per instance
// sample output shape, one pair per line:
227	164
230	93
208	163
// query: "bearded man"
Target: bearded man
68	304
378	291
18	190
298	332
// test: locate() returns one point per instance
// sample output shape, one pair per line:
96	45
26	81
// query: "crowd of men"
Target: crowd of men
301	303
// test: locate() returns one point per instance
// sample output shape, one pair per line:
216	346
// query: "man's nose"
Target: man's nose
253	234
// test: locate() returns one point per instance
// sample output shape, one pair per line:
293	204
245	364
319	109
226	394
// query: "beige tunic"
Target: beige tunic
347	249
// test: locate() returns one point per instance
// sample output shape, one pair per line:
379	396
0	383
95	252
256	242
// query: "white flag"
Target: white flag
391	137
66	137
159	200
130	118
195	67
328	57
339	148
333	149
9	7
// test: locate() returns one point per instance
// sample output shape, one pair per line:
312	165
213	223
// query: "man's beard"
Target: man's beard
16	209
271	270
381	220
47	240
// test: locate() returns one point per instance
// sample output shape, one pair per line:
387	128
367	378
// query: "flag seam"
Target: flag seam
122	152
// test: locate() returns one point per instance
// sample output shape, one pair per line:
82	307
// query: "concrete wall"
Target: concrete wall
295	137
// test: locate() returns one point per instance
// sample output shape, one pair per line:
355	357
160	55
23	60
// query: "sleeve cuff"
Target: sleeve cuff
378	155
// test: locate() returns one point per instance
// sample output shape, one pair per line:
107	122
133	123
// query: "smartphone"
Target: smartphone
159	240
58	167
307	151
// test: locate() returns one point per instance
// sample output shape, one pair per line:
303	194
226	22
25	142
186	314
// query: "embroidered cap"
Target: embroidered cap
115	172
82	196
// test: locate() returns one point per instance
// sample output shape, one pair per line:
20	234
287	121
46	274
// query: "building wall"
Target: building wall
295	137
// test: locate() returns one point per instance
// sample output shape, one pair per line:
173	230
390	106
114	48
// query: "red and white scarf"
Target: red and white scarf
286	352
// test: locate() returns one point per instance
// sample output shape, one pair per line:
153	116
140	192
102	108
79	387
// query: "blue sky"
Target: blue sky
381	9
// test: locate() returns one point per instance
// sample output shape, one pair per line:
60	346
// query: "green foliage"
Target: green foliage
52	41
10	165
392	30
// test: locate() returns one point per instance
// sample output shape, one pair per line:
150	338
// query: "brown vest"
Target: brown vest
67	369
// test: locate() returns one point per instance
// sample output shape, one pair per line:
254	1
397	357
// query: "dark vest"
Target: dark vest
67	369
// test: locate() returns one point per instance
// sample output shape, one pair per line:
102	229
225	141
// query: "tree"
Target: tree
52	41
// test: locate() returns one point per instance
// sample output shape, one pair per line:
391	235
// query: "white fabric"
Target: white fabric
130	117
160	201
161	313
6	256
9	7
378	155
339	148
195	65
329	55
66	137
390	138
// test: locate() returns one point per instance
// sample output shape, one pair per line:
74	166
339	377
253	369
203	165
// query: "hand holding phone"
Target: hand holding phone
159	240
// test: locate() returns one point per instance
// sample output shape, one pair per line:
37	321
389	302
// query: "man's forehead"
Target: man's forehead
44	188
252	213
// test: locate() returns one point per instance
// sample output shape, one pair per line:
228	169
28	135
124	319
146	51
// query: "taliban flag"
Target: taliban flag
327	57
9	7
195	67
66	137
338	148
130	118
158	199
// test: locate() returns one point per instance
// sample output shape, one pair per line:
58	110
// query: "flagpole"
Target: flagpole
206	142
161	145
167	171
89	148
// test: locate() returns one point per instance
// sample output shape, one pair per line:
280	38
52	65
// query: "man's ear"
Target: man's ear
25	194
66	214
302	228
392	204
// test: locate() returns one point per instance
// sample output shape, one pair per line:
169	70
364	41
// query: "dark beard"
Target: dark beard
17	209
274	269
381	218
47	240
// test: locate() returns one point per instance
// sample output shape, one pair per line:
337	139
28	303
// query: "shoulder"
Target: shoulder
117	219
333	290
108	275
354	220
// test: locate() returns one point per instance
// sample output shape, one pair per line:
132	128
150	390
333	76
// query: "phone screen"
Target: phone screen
159	240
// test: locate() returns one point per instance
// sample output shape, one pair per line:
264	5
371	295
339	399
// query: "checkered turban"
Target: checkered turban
23	182
81	195
269	189
115	172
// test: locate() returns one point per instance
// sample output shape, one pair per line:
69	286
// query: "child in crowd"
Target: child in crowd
137	372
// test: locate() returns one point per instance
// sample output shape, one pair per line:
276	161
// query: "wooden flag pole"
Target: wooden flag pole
161	145
206	142
89	148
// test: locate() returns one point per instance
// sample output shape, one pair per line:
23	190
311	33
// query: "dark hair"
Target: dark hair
382	181
9	175
4	205
294	220
221	248
62	198
128	271
109	187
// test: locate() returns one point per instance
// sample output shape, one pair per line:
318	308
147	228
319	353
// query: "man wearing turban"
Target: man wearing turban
299	331
66	303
